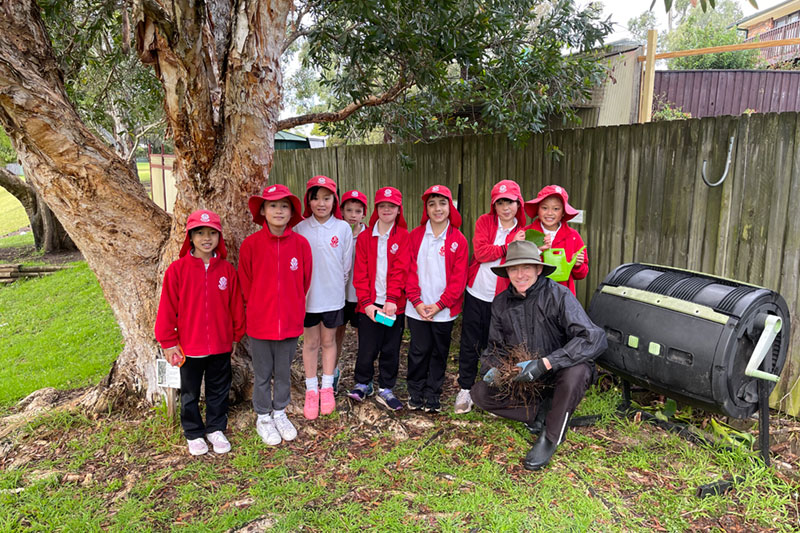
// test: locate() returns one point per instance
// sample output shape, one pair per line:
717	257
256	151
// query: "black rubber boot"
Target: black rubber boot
540	454
537	426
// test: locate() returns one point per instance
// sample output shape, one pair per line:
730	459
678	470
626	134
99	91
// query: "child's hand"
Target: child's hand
390	308
431	310
423	311
173	355
520	236
580	259
370	311
548	241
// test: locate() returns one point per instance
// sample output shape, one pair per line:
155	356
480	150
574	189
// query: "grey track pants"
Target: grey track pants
272	361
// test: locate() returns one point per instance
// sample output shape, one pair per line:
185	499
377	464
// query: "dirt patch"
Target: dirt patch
25	253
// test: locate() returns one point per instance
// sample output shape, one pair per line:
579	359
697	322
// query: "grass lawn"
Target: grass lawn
144	172
55	331
14	241
346	473
12	214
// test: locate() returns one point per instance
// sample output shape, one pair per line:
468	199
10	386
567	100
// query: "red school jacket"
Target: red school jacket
200	309
365	268
570	240
456	255
484	249
275	274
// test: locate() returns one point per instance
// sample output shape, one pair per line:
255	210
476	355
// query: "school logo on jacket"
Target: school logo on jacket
453	247
223	283
293	265
334	242
394	248
441	250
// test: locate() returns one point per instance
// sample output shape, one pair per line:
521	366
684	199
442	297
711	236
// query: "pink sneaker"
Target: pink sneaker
327	403
311	405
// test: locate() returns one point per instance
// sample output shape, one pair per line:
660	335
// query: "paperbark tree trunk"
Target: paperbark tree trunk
219	64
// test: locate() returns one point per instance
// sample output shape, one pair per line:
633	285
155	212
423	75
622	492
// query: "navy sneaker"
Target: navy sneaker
336	374
387	399
359	392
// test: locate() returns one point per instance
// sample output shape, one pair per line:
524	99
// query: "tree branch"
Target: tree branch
18	188
139	135
297	33
337	116
160	17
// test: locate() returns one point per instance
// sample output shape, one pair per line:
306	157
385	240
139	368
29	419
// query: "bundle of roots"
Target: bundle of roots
519	393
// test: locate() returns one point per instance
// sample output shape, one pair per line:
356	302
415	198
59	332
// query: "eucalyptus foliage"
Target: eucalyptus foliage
453	66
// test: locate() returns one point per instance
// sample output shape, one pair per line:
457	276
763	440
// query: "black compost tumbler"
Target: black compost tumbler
698	339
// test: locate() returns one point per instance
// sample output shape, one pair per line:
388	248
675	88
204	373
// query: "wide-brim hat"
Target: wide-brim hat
441	190
509	190
393	196
270	194
326	183
204	218
522	253
532	206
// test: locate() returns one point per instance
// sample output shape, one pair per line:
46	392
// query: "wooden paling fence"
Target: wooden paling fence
640	186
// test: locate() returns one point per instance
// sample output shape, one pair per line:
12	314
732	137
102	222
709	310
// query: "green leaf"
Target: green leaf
535	236
670	406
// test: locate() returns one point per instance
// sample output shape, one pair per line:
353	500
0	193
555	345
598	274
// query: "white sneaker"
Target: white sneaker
463	402
267	431
285	427
220	443
197	446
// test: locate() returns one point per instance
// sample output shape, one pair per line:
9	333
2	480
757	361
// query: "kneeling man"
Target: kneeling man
547	318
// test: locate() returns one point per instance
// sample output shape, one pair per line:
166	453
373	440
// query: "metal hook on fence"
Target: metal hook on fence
727	167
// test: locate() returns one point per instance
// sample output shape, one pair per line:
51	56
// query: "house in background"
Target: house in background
778	22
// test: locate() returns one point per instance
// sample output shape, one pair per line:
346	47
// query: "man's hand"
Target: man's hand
490	375
389	309
531	370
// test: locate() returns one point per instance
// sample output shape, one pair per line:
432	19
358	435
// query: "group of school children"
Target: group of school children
311	270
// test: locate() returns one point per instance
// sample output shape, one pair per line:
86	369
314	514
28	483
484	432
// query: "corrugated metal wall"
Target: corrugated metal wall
710	93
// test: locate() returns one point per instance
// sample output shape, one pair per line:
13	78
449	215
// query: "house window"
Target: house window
788	19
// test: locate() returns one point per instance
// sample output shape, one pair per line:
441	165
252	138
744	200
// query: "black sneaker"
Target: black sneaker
415	404
433	406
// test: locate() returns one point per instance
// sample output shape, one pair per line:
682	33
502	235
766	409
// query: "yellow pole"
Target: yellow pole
646	109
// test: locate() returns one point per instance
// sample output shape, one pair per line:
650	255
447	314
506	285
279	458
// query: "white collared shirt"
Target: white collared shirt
332	254
432	273
485	284
381	263
350	293
552	233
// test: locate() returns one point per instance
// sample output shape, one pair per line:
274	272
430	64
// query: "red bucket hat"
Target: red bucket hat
509	190
326	183
393	196
357	196
270	194
441	190
199	219
532	206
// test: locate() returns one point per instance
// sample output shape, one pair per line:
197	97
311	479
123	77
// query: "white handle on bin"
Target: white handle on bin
772	325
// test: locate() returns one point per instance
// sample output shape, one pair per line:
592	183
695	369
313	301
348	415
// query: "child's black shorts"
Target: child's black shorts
350	314
329	319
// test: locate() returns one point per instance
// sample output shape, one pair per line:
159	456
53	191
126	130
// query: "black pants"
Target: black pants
567	388
427	357
474	337
217	371
374	339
